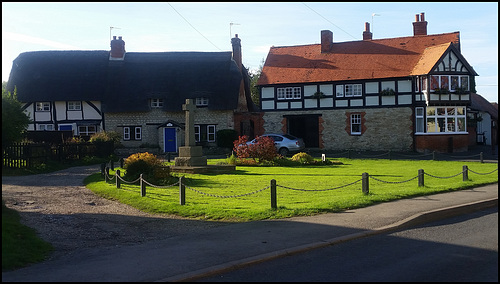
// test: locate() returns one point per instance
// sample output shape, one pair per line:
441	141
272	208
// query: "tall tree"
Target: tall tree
254	76
14	120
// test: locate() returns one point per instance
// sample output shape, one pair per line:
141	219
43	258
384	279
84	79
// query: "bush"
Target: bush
141	163
263	149
303	158
104	136
225	138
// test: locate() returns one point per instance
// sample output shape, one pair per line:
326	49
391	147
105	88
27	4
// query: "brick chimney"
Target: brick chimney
326	41
420	25
237	56
117	49
367	35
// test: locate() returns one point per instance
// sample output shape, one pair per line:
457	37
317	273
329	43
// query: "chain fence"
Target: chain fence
364	180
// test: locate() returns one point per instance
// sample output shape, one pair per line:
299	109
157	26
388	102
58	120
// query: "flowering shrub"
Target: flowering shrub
303	158
263	149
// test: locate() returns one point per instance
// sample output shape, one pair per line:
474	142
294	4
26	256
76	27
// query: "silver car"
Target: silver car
285	143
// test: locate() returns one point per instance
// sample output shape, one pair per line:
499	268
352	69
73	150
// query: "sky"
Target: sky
209	26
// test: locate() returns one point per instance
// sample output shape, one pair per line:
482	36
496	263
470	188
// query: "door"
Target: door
170	140
305	127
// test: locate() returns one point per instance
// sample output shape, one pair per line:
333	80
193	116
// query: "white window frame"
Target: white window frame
339	91
127	133
197	133
86	130
353	90
211	133
202	101
156	103
446	117
462	81
74	105
419	120
289	93
42	106
46	127
138	133
355	120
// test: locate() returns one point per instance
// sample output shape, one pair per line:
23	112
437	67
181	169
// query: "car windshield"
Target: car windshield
288	136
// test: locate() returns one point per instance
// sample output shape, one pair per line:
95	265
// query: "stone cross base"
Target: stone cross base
190	156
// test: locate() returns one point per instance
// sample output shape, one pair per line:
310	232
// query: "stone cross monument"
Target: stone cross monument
190	155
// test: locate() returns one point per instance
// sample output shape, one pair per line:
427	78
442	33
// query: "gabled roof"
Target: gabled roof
479	103
127	85
355	60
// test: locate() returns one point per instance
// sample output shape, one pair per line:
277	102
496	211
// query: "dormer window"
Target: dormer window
201	102
156	103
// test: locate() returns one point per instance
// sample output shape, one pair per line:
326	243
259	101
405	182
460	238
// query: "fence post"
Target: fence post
273	194
103	167
143	186
420	177
182	191
106	174
481	157
465	173
365	187
117	176
112	165
121	163
433	155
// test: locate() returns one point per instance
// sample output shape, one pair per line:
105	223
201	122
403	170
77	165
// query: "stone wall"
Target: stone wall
383	129
149	121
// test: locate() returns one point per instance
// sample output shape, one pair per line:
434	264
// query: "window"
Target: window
75	105
204	133
356	124
448	82
42	106
156	103
353	90
201	102
87	130
339	90
445	119
128	135
289	93
48	127
419	119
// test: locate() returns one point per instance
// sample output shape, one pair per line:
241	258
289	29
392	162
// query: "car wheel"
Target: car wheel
283	152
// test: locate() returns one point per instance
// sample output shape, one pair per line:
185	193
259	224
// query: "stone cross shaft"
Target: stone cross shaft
189	108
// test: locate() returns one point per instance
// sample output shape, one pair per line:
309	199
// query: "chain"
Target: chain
227	196
320	189
393	181
139	178
444	177
159	186
461	157
484	173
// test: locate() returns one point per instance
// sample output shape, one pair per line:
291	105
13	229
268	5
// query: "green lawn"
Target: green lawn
303	190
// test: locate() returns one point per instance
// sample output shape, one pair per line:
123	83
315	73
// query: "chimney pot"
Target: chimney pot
417	18
422	17
420	25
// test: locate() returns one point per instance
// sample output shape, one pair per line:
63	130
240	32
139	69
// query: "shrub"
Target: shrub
225	138
303	158
263	149
141	163
104	136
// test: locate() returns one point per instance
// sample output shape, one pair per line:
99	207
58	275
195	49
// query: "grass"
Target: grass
20	244
242	195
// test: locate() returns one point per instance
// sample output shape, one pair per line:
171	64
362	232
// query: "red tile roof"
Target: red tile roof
355	60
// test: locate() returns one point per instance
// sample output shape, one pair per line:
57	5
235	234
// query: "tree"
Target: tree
14	120
254	76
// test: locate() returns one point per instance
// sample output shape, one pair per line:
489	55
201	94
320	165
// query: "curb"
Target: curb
417	219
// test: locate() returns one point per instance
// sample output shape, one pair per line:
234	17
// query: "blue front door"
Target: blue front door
170	141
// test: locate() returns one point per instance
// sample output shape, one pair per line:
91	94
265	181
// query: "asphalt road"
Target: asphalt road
462	248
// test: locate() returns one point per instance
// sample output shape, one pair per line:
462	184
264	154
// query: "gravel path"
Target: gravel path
70	217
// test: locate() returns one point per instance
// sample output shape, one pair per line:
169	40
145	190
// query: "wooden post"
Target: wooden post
103	167
117	176
106	174
182	191
365	187
433	155
121	163
273	194
465	173
143	186
481	157
420	177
